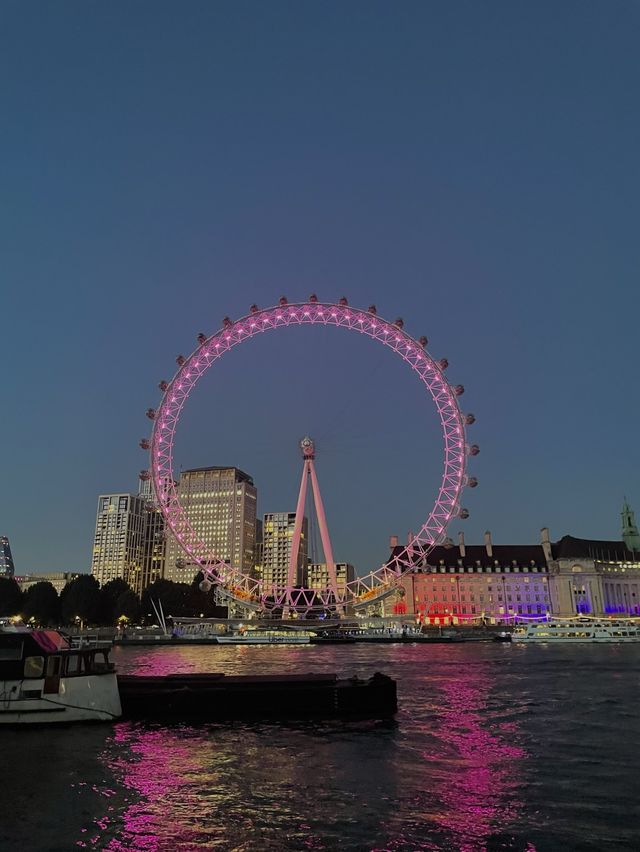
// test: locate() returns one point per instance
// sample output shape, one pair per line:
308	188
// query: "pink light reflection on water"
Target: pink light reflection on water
482	797
158	769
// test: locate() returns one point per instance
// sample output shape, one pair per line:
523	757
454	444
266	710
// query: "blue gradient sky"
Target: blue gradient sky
470	166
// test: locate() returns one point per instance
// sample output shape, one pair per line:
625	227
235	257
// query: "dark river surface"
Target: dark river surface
495	747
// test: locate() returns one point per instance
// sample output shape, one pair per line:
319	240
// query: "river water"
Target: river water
495	747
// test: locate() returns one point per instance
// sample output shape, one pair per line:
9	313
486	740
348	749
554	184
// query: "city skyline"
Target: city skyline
436	171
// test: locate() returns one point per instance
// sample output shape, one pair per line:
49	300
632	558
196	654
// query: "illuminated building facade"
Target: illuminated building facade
277	534
118	544
317	576
465	583
220	503
7	568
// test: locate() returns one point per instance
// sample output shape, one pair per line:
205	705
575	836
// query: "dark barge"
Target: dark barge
219	697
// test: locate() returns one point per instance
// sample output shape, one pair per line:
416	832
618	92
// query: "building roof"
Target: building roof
240	474
503	554
570	547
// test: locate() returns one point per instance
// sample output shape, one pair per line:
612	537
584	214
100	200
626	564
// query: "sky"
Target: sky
469	166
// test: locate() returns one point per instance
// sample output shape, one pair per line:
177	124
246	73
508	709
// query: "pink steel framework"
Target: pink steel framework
309	470
377	584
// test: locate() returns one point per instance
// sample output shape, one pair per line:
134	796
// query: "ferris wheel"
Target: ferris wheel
363	591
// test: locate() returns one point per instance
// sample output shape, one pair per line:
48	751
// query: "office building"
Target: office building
7	568
317	577
220	503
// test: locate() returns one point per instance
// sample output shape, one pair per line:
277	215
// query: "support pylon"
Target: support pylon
308	470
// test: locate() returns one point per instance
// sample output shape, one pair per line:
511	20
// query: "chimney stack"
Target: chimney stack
546	544
393	541
487	543
461	547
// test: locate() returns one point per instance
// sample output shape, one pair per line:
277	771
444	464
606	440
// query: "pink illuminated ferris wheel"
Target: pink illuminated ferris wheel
363	591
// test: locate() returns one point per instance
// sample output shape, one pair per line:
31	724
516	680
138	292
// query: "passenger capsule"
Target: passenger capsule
180	563
202	338
313	298
254	309
151	413
205	586
469	419
463	514
423	341
163	385
144	444
372	310
474	449
443	363
399	323
458	390
227	323
343	301
472	482
283	301
180	360
144	475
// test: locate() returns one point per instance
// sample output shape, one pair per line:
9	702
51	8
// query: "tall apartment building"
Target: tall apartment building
7	568
317	576
118	544
154	547
220	503
277	535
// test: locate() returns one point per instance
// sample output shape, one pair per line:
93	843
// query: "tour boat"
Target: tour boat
578	630
44	679
266	637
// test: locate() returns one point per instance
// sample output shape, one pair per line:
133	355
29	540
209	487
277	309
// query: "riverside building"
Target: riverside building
456	584
277	539
220	503
462	583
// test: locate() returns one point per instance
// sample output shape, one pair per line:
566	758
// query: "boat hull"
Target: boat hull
221	697
78	699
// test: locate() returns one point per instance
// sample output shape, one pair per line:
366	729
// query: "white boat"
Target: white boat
266	637
578	630
43	679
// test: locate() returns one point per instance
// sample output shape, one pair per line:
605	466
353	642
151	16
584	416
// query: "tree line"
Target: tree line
84	601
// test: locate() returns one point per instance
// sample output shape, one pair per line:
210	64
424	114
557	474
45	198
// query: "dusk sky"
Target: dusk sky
469	166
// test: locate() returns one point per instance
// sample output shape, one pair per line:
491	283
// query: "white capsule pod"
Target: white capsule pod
144	475
205	586
144	444
473	450
469	419
180	360
443	363
463	514
458	390
472	482
151	413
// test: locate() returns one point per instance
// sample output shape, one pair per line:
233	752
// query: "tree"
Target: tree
128	605
41	602
109	595
11	596
173	597
81	598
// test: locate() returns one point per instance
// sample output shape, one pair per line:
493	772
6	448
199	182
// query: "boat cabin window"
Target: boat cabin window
53	666
73	664
34	667
11	653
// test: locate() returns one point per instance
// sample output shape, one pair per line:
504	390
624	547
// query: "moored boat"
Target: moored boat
579	630
266	637
44	679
